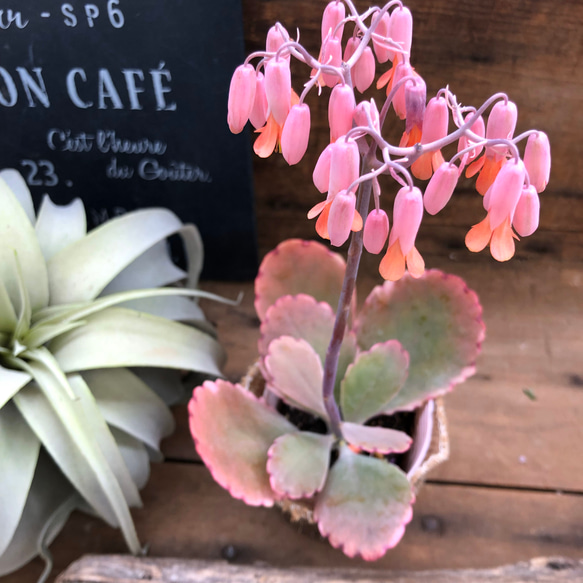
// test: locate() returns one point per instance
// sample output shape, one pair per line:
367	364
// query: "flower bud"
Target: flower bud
401	29
440	188
526	215
296	133
407	216
382	30
501	125
364	70
340	111
363	111
435	121
331	55
505	192
341	217
537	159
344	165
334	14
278	88
258	115
321	174
241	97
276	36
376	231
478	128
415	99
403	70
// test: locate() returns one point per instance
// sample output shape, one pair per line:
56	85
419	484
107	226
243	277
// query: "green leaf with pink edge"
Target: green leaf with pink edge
233	431
294	374
302	316
296	266
373	381
365	505
438	320
375	439
298	463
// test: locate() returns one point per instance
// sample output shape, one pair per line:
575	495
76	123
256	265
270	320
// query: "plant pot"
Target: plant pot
430	446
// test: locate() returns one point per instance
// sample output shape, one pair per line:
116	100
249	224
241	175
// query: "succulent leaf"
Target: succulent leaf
11	381
136	410
437	319
233	431
376	439
294	374
298	463
81	271
20	190
17	239
50	501
19	450
118	337
283	272
373	380
364	506
58	226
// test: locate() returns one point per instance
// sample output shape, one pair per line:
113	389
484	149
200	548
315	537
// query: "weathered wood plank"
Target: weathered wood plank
186	514
124	569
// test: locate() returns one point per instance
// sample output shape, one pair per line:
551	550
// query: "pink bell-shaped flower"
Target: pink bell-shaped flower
296	133
537	160
321	174
334	14
363	111
415	100
258	115
376	231
276	36
440	188
505	192
501	125
402	70
382	30
478	128
401	29
344	165
340	111
341	217
278	88
364	70
331	55
241	97
527	212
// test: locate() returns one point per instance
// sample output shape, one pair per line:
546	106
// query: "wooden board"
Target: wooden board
188	515
530	50
115	569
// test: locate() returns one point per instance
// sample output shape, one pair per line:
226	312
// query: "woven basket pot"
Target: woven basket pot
430	446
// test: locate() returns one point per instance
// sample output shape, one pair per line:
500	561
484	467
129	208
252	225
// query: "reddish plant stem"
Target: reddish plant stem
342	314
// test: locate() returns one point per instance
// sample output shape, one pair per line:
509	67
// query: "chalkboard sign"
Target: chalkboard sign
124	104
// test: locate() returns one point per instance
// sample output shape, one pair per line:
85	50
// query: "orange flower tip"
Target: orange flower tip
502	244
392	266
475	166
479	236
317	209
415	263
356	222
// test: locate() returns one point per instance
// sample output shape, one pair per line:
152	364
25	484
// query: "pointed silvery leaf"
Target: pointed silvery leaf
298	463
81	271
129	404
61	424
154	268
50	502
364	506
194	253
166	383
8	318
135	456
19	449
11	381
18	240
59	225
122	338
20	189
173	308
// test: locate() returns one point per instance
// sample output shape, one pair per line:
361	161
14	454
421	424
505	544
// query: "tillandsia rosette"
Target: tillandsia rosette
92	349
412	341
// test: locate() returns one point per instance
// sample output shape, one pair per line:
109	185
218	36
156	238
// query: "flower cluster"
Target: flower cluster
348	169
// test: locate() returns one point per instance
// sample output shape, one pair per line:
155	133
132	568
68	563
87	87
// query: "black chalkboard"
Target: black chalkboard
124	103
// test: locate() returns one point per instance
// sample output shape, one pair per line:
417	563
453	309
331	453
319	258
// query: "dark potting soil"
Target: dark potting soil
401	421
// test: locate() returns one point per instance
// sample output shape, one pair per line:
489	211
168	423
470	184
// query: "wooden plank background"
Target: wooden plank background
530	49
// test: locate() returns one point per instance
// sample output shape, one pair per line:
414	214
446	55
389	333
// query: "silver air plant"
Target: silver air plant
93	344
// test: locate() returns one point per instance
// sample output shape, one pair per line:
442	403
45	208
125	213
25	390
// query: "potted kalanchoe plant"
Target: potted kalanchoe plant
325	429
92	346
